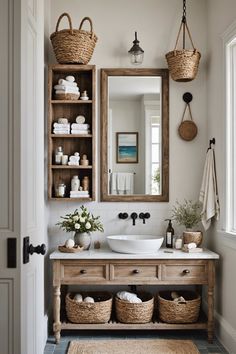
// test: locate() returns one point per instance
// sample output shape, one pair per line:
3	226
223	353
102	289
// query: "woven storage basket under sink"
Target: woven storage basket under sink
178	312
127	312
86	312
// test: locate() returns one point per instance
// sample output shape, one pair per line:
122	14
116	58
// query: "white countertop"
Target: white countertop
106	253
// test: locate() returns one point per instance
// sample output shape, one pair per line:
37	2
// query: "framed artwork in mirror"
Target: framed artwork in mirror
127	147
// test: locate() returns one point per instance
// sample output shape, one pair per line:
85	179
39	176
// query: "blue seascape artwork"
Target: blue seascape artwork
128	153
127	147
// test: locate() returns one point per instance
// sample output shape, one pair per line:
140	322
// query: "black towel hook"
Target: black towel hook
211	141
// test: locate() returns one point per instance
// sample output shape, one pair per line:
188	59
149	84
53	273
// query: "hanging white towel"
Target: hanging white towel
122	183
208	193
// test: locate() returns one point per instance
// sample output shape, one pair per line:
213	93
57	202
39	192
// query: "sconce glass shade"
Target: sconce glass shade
136	53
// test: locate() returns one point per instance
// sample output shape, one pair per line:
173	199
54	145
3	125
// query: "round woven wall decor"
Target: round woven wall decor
187	130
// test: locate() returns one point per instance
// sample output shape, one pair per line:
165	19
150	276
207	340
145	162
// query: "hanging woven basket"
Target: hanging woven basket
73	46
183	63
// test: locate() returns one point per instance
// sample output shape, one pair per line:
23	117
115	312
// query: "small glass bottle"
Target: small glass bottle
58	155
85	183
169	234
61	190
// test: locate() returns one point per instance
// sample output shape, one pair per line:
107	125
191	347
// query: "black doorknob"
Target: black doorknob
40	249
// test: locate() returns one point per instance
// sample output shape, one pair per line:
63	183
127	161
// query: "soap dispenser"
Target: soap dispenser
169	234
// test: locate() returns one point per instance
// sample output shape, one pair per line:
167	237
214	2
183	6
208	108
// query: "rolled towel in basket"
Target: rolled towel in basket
67	83
130	297
66	88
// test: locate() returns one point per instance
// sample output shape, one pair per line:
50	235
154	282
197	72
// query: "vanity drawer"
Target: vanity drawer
77	272
137	273
185	272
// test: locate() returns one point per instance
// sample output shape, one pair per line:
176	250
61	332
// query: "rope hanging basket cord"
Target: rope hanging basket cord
183	64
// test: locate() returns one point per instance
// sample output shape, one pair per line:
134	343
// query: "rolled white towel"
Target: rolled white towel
130	297
66	88
78	297
62	120
77	126
76	131
180	299
61	125
67	83
89	299
70	78
55	131
191	245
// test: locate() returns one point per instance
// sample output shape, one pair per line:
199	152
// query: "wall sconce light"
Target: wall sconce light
136	53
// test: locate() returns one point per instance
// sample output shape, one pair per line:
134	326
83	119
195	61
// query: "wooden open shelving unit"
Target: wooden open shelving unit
85	76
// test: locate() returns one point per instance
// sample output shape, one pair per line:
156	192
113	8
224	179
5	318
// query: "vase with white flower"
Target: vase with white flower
82	222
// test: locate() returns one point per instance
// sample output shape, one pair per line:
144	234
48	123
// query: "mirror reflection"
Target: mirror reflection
134	135
134	144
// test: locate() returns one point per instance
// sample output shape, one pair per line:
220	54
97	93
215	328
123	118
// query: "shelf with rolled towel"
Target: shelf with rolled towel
63	112
71	135
72	167
70	102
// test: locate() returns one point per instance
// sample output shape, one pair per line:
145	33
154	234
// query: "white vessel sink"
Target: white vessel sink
135	243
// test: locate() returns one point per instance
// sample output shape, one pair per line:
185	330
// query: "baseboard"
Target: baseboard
45	331
225	333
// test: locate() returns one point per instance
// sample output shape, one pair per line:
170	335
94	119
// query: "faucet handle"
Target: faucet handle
134	217
147	215
123	216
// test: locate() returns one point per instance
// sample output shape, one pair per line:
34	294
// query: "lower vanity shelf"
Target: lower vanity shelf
103	267
155	324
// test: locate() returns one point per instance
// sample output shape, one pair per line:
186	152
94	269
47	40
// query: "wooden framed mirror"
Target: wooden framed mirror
134	135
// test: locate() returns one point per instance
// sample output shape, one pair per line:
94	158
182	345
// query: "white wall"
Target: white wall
157	23
221	15
126	117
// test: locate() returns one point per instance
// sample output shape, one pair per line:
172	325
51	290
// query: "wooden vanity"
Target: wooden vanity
103	267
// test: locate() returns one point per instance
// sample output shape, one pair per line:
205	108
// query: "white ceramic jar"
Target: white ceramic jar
75	184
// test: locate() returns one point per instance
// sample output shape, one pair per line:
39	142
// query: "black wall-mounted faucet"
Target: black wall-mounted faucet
123	216
144	216
134	217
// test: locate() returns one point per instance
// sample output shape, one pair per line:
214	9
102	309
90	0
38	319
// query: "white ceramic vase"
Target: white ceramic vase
83	239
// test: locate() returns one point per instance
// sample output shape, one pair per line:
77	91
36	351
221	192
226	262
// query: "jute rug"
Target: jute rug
133	346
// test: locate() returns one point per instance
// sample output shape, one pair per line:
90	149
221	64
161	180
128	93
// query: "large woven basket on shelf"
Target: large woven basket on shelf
86	312
179	312
73	45
127	312
183	64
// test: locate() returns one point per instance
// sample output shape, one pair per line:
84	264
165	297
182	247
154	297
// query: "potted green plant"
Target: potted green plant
188	214
82	223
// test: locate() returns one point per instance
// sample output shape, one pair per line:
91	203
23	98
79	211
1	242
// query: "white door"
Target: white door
21	175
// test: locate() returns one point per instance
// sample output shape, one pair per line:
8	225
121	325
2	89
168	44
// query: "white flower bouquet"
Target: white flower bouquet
80	221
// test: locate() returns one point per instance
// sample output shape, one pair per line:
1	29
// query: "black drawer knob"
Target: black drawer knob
83	271
136	271
186	271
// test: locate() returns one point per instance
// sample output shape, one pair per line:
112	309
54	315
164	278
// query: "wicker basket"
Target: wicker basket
86	312
183	64
179	312
127	312
73	45
67	96
193	236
